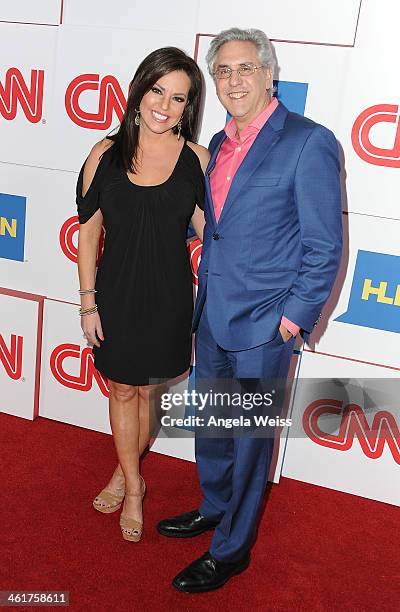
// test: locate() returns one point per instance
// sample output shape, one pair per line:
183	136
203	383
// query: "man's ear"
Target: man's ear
270	78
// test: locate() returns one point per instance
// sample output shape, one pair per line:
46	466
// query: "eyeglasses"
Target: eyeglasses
245	70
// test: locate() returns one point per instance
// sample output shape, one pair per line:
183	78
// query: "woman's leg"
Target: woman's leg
149	412
144	417
124	420
148	400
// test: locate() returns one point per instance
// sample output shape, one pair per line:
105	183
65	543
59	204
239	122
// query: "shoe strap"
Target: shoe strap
130	523
109	496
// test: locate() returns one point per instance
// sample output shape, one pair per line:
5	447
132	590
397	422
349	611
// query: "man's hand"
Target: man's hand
285	333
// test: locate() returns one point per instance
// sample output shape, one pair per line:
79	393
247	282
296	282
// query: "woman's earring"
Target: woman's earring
179	127
137	116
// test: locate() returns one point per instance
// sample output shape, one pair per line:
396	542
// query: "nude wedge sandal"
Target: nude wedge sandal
113	501
131	528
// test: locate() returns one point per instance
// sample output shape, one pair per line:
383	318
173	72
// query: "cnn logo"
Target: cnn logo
110	99
353	424
73	367
15	91
363	142
194	248
68	239
11	355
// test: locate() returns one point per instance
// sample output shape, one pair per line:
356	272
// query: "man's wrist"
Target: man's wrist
290	326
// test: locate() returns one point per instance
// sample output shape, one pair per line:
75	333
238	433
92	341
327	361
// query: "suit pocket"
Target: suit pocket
278	339
276	279
263	181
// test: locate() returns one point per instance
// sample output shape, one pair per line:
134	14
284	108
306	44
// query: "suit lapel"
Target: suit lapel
267	138
261	147
209	169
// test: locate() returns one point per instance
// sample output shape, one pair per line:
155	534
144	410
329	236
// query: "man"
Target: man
271	251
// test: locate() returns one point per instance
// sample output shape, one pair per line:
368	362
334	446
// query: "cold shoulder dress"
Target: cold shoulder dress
144	283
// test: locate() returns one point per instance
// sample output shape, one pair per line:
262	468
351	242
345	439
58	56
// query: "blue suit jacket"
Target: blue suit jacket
276	248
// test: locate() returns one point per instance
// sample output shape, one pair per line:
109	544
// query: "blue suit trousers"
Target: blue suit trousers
233	471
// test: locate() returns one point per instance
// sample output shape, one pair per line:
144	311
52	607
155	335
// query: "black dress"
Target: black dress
144	284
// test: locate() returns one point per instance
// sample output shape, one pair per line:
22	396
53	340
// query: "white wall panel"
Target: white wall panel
27	63
324	69
377	342
50	202
20	336
370	133
378	28
178	16
76	134
307	21
32	11
71	390
323	450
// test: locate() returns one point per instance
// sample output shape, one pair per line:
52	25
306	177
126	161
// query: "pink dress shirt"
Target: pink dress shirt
231	154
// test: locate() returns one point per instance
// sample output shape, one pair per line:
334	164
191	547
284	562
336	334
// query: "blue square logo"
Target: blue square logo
292	94
12	226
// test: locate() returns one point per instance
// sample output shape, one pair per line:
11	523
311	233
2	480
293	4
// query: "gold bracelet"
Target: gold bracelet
87	311
85	291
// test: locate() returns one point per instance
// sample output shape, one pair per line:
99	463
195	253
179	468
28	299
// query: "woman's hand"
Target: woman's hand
92	330
198	222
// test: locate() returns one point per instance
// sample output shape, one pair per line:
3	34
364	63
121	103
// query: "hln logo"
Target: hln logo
12	226
9	226
380	292
375	293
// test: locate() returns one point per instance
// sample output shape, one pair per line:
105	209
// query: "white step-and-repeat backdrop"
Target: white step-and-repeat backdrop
65	67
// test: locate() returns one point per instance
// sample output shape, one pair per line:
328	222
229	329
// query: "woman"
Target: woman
145	184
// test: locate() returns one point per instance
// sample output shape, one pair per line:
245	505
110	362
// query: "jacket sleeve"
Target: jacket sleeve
318	201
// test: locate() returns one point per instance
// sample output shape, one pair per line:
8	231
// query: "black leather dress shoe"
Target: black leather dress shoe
208	574
185	525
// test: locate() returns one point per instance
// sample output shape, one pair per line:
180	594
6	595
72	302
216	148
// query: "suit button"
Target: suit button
318	319
215	236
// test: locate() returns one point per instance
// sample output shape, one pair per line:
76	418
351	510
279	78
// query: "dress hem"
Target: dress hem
156	380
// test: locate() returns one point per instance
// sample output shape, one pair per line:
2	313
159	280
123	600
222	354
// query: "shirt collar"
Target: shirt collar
255	126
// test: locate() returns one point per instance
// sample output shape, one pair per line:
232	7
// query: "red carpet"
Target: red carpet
317	550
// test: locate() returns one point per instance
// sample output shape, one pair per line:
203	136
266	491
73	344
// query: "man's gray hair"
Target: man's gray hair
257	37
